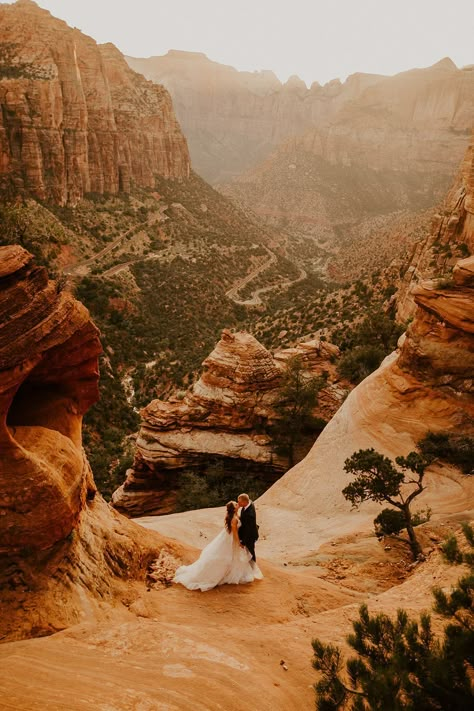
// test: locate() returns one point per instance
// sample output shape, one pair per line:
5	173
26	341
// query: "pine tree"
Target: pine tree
298	396
400	664
376	479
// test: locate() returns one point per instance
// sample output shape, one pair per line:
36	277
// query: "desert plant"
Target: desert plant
297	398
451	448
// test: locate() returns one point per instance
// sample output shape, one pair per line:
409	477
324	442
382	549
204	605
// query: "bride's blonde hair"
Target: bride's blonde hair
231	507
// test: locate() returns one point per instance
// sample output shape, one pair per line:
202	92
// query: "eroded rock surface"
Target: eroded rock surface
75	118
224	415
452	229
62	549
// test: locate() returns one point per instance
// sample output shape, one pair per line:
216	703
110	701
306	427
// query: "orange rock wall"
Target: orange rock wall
75	118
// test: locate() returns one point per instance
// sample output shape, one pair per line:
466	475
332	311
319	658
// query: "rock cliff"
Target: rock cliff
224	415
62	549
75	118
361	186
234	120
451	233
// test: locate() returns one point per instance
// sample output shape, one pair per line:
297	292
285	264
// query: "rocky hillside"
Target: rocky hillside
102	194
361	185
75	119
227	417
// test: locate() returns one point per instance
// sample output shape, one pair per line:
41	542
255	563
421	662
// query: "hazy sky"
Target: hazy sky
316	39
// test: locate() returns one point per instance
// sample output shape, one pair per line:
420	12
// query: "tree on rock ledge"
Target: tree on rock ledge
400	664
378	480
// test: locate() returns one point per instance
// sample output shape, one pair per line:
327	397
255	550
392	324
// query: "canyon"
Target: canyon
109	633
340	168
98	172
374	121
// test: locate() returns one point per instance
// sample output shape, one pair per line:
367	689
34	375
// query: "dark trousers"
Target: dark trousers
251	549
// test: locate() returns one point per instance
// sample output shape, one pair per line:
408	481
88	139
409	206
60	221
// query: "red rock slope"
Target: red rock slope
63	551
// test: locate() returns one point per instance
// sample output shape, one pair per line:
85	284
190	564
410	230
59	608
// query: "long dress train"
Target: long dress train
221	561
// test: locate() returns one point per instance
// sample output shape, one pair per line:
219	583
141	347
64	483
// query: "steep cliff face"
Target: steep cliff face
75	119
415	121
62	550
451	233
225	415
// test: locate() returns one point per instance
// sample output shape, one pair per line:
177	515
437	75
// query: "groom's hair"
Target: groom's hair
245	497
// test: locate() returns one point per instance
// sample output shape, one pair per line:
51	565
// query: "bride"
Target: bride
223	560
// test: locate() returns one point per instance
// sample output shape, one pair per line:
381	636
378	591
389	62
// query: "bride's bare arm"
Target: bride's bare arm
235	524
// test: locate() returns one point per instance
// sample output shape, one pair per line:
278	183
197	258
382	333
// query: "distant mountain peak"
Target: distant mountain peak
294	82
184	54
445	63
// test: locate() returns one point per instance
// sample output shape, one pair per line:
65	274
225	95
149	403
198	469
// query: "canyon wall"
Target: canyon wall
226	415
63	551
451	233
417	120
75	118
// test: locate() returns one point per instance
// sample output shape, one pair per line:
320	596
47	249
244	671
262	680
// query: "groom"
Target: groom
248	531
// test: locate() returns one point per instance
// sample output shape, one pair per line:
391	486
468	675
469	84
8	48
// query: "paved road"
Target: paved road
83	267
255	299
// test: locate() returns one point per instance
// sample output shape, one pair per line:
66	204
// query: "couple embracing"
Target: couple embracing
230	556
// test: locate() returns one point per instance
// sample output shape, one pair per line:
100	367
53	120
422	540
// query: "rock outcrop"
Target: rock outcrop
425	386
451	233
224	415
75	118
62	549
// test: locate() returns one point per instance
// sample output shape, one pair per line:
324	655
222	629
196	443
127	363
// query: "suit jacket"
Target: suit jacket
248	531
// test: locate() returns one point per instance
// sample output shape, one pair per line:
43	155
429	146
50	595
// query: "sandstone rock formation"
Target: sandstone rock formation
75	119
62	550
452	230
426	386
224	415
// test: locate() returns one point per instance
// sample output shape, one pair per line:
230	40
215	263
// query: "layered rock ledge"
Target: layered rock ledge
225	415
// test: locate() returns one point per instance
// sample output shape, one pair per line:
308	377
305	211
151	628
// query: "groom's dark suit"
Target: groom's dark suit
248	531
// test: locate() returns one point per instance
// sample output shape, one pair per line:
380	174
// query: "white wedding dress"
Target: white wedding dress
221	561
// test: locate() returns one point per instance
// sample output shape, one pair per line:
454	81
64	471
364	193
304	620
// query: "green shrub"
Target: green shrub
401	665
358	363
451	448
